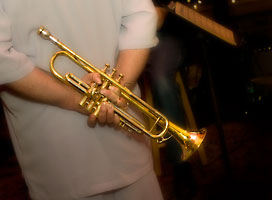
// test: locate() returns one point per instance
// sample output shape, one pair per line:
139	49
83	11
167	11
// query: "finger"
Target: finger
110	114
96	78
92	77
116	121
92	120
110	95
115	90
102	116
122	102
114	98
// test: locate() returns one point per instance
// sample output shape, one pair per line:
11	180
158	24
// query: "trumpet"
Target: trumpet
161	130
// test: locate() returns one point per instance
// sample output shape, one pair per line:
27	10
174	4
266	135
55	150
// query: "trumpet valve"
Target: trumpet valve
113	72
90	106
120	77
87	103
106	68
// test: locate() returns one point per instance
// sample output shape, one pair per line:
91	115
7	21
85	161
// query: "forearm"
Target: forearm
131	63
39	86
162	12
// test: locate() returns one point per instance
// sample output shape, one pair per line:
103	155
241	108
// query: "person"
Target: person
167	59
65	152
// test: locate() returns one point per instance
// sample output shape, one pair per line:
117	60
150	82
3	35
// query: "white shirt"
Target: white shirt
60	156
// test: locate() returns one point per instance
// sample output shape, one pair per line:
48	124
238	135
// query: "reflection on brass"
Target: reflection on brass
161	130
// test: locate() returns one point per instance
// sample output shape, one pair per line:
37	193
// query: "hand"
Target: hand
93	77
106	114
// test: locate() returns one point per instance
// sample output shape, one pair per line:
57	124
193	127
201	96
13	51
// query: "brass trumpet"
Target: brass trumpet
161	130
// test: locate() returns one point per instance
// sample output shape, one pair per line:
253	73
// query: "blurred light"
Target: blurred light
195	6
233	1
188	1
199	2
193	137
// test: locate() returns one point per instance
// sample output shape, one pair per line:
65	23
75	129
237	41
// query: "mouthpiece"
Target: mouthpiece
44	33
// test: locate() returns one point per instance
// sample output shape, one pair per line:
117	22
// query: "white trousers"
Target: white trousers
146	188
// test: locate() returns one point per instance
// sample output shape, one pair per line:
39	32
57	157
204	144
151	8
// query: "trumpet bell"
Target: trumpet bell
188	141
